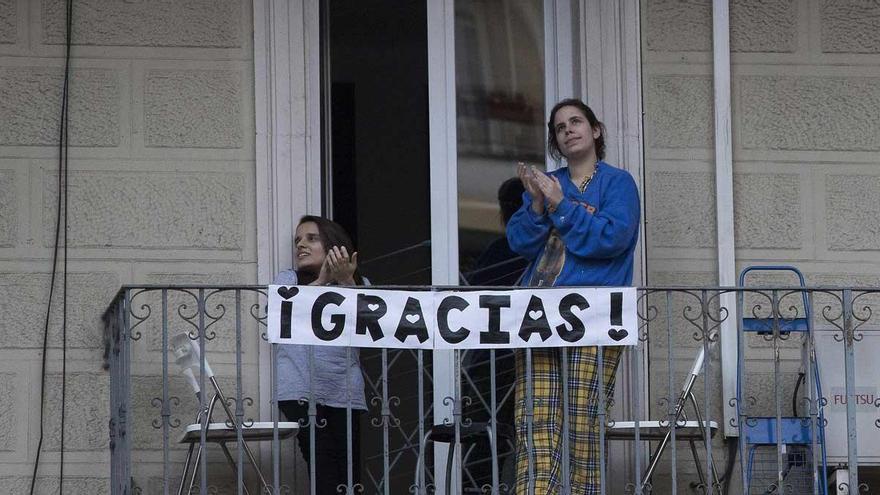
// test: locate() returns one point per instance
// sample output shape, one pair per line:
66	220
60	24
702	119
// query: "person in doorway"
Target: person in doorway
331	377
498	264
578	226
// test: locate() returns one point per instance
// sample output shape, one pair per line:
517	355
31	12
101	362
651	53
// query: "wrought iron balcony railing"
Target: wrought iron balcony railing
806	401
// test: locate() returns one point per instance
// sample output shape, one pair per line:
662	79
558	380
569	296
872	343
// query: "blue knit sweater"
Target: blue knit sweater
599	229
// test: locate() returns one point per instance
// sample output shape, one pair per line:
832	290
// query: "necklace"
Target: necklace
587	180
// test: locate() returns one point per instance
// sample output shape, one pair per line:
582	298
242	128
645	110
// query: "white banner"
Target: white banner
452	319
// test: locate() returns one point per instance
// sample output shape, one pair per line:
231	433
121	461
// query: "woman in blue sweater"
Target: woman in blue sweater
578	226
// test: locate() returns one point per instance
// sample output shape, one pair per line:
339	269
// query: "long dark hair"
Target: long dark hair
553	145
331	234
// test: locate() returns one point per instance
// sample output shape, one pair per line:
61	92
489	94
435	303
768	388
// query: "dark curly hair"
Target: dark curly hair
553	145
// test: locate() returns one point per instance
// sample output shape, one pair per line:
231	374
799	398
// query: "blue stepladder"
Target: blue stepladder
782	454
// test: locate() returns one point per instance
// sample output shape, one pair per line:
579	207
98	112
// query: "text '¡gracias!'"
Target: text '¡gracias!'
452	319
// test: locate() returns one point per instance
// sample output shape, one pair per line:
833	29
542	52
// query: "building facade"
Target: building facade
201	131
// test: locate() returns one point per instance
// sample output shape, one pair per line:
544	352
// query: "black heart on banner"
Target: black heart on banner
286	292
617	335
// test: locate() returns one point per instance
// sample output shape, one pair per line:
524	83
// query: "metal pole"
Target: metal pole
239	409
673	415
850	373
386	419
740	405
166	409
777	392
206	418
529	447
600	369
493	423
566	418
707	435
810	383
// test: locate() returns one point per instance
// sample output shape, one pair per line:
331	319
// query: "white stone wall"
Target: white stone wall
161	191
806	150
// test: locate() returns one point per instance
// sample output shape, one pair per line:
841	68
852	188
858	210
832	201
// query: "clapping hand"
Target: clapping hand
527	176
540	187
324	276
341	265
549	185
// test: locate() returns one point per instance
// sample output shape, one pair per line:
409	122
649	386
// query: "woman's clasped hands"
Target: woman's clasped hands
543	188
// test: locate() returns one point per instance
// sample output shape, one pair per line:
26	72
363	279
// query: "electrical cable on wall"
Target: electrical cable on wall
63	147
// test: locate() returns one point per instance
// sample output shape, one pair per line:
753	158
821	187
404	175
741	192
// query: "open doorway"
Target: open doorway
377	177
375	87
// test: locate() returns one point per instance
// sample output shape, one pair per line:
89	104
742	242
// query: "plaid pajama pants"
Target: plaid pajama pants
544	445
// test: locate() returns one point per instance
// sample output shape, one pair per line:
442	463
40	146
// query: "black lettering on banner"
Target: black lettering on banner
616	317
412	322
573	300
617	308
535	321
338	320
494	335
286	314
286	309
448	304
369	310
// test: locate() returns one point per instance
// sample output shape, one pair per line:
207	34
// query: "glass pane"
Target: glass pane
500	107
